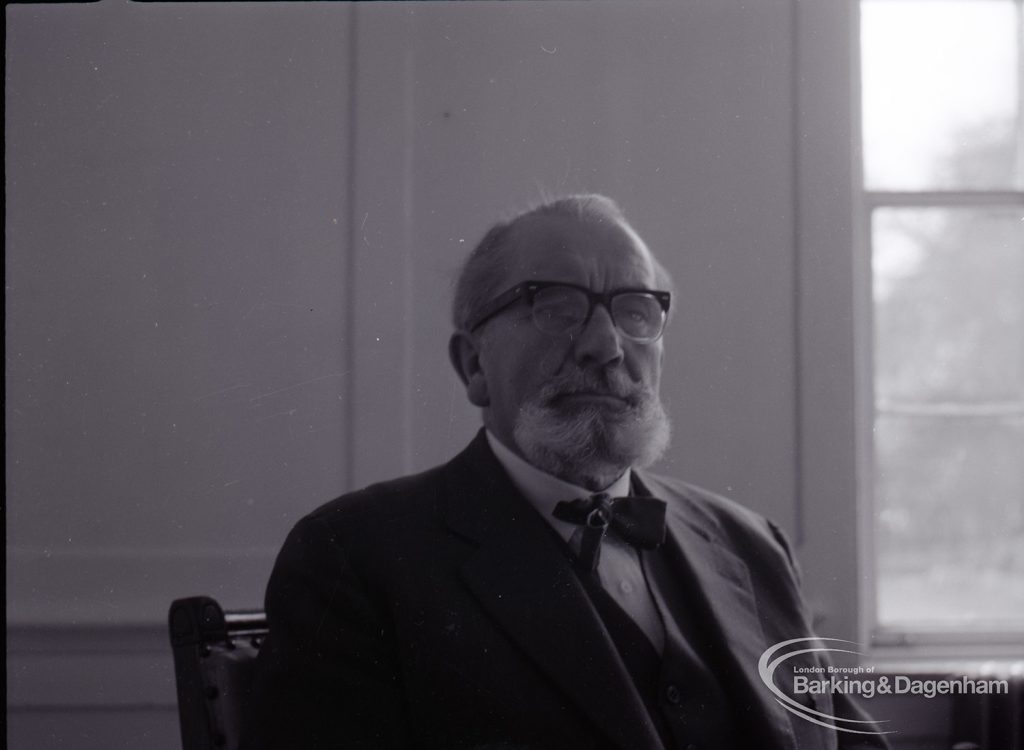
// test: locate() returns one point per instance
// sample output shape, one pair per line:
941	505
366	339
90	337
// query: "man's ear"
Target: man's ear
465	358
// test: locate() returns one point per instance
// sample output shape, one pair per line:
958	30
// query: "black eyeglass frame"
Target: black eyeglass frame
530	289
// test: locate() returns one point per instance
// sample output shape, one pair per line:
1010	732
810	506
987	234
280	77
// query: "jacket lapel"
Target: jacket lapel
724	581
523	578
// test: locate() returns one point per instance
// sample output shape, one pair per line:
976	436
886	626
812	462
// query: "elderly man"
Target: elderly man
540	590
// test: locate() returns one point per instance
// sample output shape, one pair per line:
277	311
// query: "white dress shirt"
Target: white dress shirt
618	568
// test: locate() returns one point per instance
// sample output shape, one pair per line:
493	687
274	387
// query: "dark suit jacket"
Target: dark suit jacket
441	611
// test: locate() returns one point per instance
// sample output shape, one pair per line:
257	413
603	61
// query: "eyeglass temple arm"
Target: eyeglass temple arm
498	304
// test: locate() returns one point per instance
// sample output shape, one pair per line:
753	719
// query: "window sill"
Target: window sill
996	666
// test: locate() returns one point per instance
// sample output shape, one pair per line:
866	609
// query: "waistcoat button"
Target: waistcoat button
672	694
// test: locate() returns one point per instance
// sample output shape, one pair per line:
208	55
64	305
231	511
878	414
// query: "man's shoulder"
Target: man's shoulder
387	500
409	497
412	512
741	529
717	509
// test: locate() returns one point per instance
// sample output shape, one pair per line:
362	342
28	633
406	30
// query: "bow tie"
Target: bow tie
640	521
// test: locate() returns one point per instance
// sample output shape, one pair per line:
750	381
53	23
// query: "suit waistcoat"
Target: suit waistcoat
684	692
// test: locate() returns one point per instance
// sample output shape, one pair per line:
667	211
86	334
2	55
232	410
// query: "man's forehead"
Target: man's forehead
567	246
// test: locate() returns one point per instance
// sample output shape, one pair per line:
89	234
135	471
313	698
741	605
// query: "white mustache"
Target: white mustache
606	383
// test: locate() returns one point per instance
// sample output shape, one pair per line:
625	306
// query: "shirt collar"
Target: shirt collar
543	490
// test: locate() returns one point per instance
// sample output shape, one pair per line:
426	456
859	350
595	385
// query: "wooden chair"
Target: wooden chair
214	659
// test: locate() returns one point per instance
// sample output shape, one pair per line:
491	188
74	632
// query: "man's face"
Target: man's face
580	404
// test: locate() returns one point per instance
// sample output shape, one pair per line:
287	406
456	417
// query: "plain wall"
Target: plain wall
231	235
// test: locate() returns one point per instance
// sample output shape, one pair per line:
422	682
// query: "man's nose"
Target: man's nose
599	342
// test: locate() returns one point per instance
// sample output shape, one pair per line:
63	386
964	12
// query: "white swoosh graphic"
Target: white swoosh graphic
767	668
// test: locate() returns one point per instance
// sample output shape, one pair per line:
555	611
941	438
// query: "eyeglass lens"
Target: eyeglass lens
560	309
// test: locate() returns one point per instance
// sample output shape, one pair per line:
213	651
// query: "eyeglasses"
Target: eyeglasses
560	308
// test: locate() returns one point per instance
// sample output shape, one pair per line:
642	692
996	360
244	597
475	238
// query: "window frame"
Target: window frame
888	644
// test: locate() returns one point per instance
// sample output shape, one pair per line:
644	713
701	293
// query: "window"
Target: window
943	170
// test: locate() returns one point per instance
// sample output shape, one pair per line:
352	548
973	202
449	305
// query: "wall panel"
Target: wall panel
175	296
176	306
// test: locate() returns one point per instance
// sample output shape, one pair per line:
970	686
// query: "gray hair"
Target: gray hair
482	271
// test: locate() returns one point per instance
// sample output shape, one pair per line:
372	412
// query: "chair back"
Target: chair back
214	661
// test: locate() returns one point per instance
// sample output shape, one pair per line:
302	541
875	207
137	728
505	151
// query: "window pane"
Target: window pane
941	83
951	522
949	304
949	428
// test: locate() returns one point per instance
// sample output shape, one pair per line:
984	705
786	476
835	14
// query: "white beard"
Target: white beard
591	441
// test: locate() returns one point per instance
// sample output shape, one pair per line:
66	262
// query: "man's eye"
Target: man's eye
555	313
636	313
